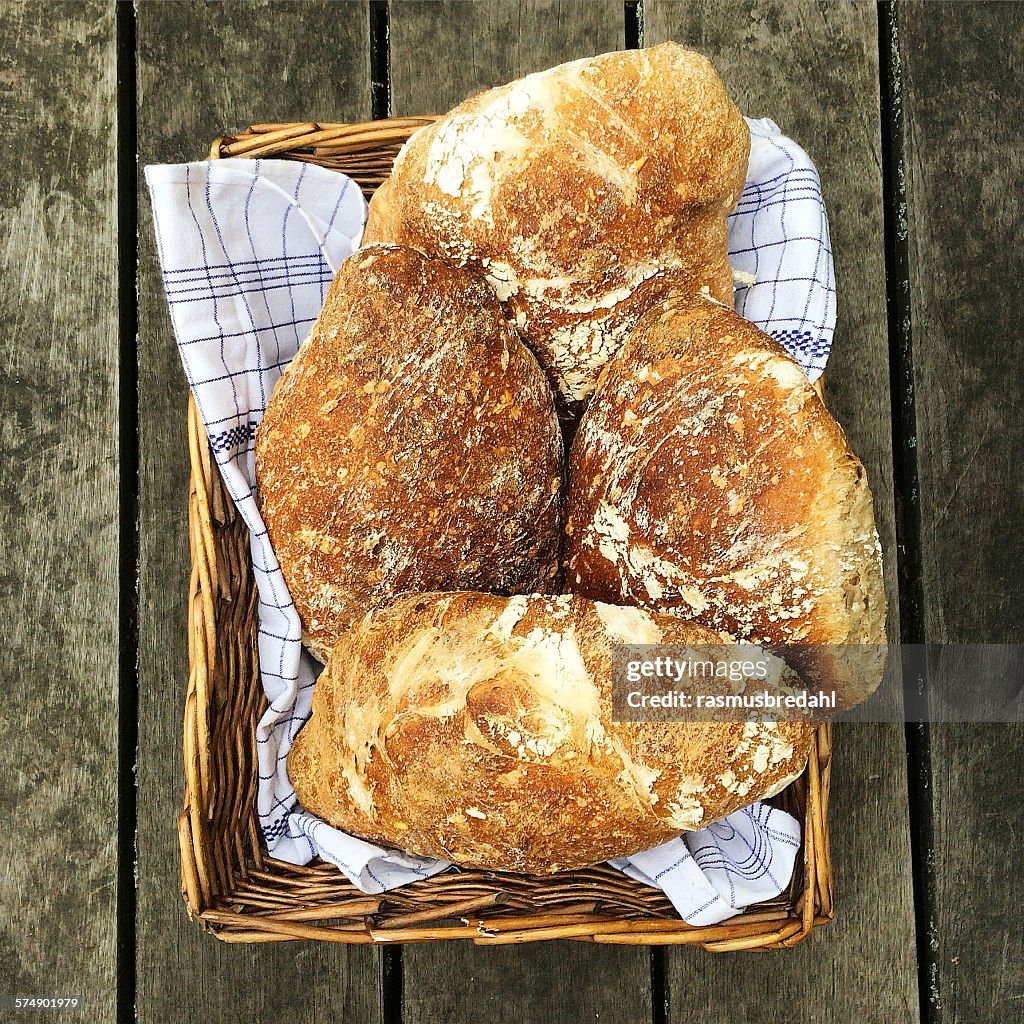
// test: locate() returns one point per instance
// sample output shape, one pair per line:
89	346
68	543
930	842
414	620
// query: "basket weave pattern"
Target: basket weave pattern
230	885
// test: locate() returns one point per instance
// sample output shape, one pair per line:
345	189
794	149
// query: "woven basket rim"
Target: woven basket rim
233	889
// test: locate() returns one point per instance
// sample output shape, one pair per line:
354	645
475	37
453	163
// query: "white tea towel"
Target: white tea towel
780	251
248	249
711	875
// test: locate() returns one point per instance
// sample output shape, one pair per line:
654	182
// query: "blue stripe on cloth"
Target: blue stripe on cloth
228	439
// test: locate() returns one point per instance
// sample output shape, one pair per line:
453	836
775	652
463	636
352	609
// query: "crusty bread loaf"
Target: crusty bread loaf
478	729
708	476
570	187
411	445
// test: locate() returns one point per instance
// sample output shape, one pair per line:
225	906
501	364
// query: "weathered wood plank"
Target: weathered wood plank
961	66
59	503
203	71
814	69
441	53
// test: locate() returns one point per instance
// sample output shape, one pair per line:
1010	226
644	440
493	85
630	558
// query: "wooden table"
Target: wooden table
912	116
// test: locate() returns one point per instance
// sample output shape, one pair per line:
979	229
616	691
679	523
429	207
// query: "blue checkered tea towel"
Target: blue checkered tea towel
248	249
780	251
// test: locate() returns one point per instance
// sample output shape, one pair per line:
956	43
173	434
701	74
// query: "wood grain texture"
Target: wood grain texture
442	52
59	503
473	46
961	66
204	70
813	68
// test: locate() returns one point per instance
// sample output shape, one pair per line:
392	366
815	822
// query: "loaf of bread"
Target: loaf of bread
707	476
569	188
478	729
412	444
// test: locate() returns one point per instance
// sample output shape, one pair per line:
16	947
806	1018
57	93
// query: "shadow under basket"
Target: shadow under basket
240	894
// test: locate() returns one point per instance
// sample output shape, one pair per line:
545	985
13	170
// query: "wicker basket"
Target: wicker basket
230	885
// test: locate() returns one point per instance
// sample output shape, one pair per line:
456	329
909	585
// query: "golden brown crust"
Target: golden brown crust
411	445
478	729
569	188
708	476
